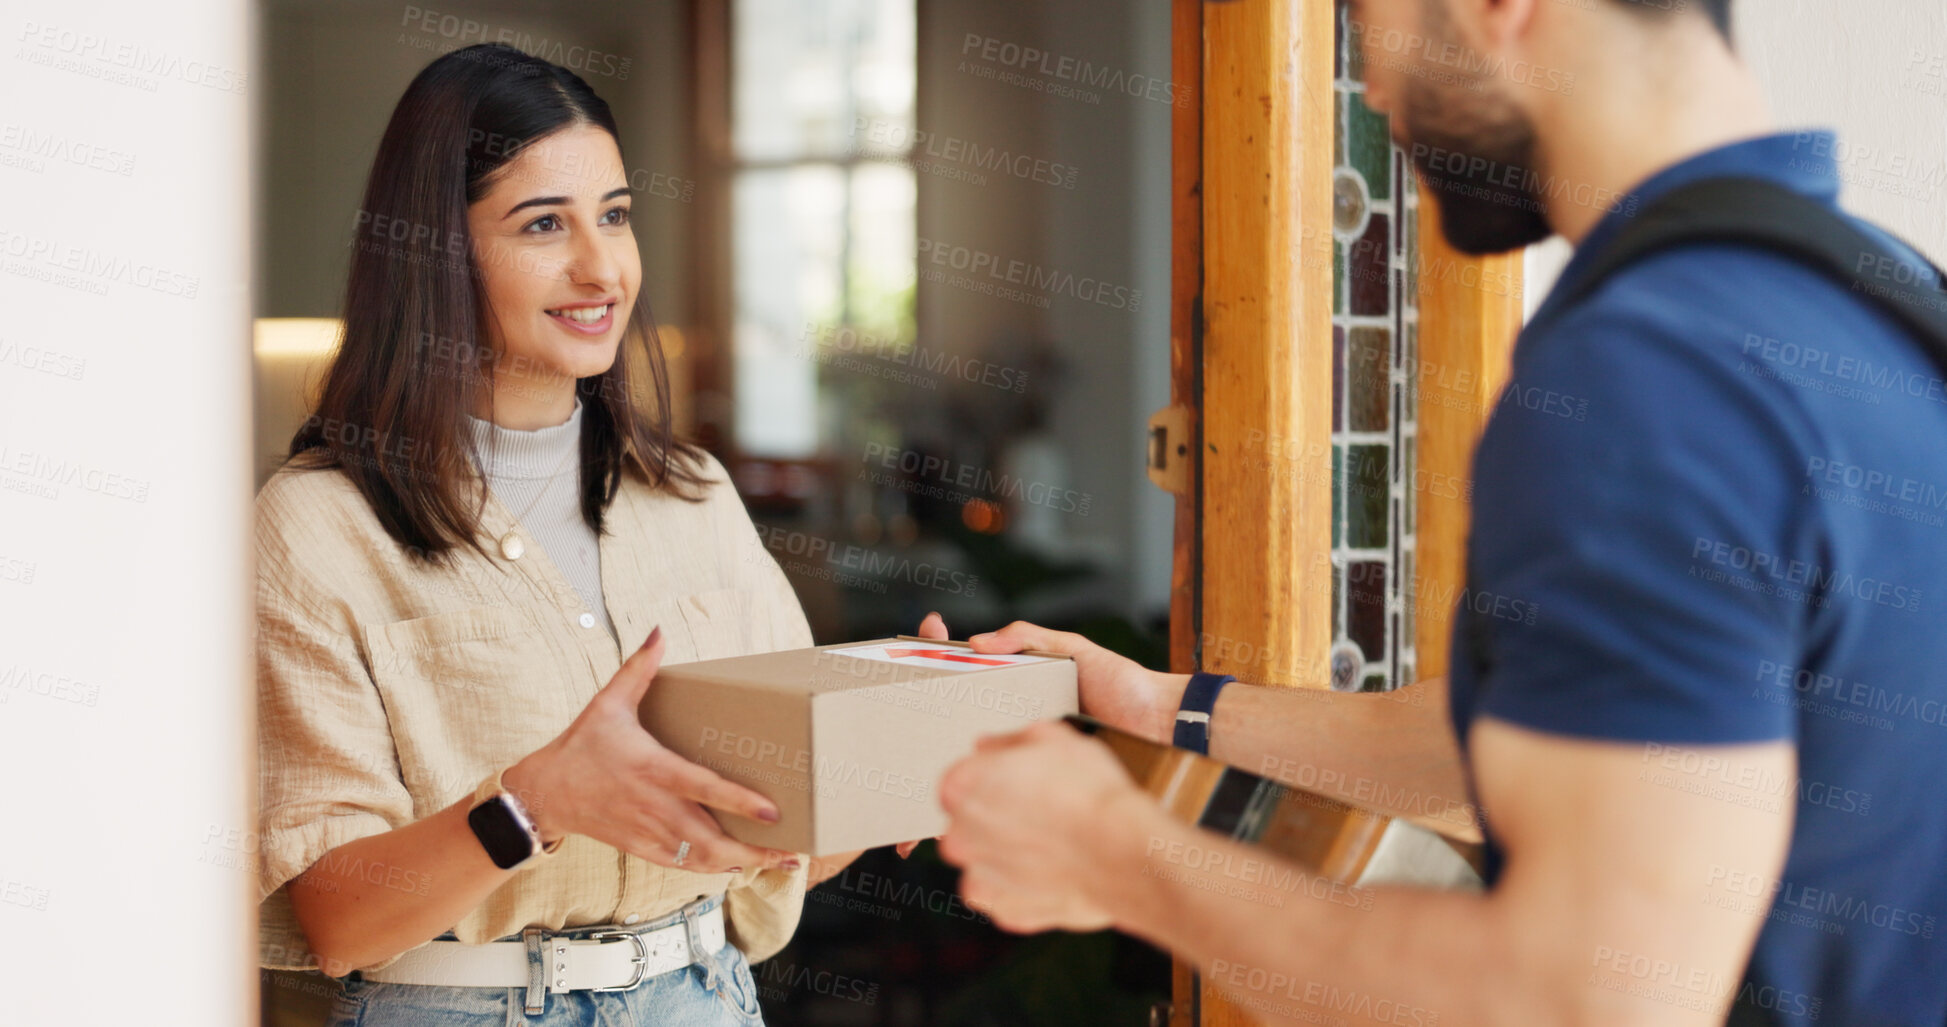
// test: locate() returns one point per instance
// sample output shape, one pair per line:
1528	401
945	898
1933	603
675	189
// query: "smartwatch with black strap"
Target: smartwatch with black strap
1193	714
504	830
503	826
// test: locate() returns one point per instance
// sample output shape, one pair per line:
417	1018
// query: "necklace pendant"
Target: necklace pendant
511	546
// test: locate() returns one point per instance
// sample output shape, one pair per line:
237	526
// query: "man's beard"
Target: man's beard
1476	153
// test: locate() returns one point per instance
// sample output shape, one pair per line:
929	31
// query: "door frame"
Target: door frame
1251	367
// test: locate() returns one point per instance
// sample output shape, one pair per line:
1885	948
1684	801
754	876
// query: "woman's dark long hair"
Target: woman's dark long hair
413	361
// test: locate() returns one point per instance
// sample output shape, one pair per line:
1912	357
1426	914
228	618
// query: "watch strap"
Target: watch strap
1193	713
493	786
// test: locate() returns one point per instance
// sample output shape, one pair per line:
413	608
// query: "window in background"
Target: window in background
809	120
1375	346
822	204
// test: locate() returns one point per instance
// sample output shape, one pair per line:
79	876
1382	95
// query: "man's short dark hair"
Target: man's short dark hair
1718	11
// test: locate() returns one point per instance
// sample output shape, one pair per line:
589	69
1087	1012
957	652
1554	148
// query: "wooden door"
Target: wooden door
1262	446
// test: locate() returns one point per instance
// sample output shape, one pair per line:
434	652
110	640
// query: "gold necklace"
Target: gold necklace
511	545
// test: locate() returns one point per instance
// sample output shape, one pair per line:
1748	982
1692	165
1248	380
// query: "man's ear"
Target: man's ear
1494	26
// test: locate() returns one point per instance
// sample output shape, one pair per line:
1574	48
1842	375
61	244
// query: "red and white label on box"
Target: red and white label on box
939	657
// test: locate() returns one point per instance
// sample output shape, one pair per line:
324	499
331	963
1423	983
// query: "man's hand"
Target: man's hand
1031	814
1115	689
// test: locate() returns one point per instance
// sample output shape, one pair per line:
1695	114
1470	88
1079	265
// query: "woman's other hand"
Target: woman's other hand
610	779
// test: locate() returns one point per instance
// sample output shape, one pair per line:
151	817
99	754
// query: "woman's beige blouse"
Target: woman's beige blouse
387	691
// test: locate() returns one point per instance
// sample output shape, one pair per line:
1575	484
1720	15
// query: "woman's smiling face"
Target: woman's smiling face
559	269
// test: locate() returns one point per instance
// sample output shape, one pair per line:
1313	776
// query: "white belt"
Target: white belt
611	958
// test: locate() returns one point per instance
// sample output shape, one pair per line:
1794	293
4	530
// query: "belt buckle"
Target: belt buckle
641	958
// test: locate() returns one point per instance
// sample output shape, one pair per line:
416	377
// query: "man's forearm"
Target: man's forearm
1290	946
1394	751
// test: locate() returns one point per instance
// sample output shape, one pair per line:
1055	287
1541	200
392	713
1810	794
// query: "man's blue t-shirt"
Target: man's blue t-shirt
1720	483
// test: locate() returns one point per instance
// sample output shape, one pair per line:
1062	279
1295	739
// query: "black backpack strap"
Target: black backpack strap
1758	213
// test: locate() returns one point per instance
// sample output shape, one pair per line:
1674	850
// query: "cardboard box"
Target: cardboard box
849	740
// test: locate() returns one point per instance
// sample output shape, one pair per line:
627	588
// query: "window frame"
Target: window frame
713	352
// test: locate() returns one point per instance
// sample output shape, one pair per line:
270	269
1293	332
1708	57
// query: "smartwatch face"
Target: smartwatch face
506	841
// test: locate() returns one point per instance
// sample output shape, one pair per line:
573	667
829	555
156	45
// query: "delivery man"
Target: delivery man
1711	770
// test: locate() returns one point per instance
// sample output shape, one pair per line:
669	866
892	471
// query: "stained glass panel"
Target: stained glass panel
1369	358
1366	597
1375	335
1369	268
1367	480
1369	146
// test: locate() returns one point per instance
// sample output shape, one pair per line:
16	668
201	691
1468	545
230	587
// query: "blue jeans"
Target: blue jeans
715	991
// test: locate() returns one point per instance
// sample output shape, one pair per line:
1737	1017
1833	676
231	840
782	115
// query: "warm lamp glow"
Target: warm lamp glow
674	344
984	516
296	337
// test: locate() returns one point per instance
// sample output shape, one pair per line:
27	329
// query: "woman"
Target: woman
468	571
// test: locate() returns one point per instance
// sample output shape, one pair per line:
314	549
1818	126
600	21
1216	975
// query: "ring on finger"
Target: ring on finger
682	853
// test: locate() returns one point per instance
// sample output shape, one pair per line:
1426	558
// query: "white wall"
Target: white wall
1874	70
126	753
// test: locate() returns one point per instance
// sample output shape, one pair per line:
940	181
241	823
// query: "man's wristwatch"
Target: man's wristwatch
504	828
1193	714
